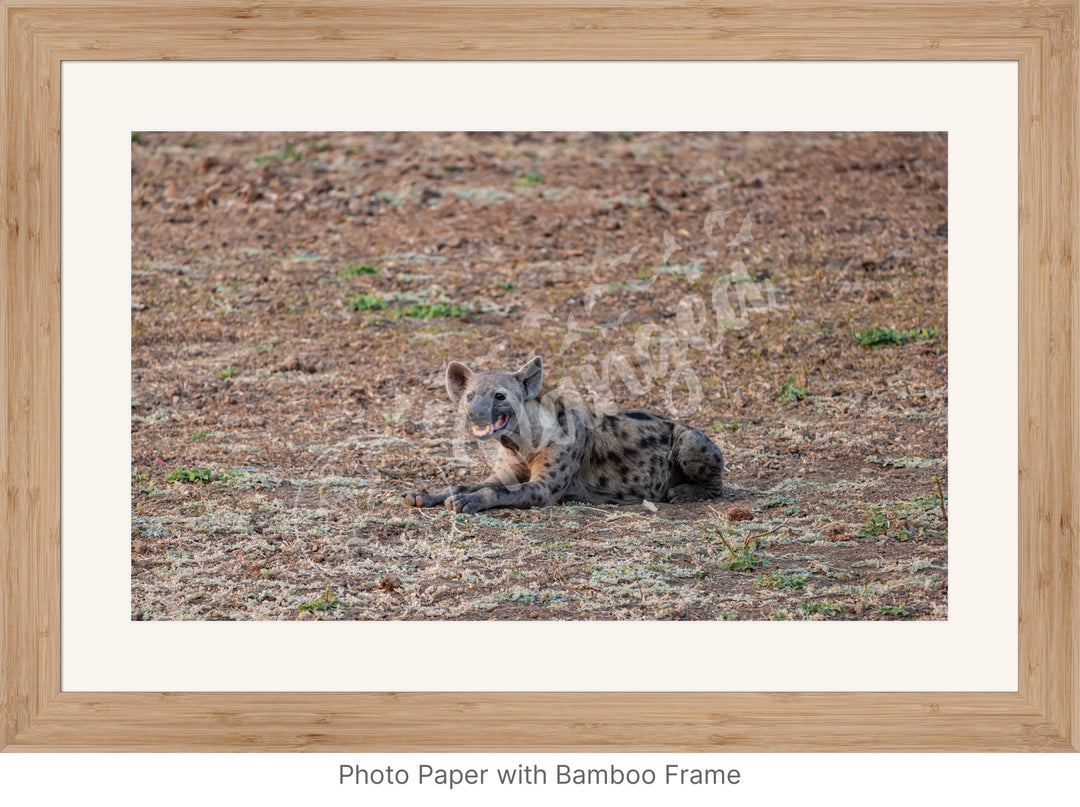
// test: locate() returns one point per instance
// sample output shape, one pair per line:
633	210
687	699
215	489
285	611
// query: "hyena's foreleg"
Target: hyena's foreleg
503	476
550	474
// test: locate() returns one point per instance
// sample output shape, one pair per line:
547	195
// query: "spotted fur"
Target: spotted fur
553	450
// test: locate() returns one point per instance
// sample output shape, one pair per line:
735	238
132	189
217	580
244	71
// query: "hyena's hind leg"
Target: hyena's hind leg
698	468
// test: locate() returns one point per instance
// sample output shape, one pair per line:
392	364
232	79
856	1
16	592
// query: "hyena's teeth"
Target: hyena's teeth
484	431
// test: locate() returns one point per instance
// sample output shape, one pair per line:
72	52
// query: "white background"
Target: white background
973	650
976	103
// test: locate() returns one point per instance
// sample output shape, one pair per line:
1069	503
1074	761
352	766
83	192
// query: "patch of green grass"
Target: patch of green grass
199	436
505	286
183	474
784	580
733	425
532	178
791	392
823	608
877	523
136	137
555	545
893	610
366	302
927	503
228	372
868	563
286	152
779	501
318	146
324	602
625	136
431	310
887	336
354	270
920	565
742	559
902	520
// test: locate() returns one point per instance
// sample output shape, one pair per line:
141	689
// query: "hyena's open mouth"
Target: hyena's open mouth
484	431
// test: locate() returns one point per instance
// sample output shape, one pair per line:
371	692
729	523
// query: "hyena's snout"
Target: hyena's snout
484	421
479	415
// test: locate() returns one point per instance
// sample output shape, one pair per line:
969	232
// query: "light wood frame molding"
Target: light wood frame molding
35	714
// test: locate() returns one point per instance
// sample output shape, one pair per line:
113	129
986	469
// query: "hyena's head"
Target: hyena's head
491	401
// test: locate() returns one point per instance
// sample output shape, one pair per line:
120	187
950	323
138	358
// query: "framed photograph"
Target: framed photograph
602	379
606	270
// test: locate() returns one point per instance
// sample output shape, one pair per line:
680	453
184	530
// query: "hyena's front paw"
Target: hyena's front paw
465	502
417	498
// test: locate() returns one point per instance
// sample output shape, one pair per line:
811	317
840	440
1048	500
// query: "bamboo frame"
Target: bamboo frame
38	34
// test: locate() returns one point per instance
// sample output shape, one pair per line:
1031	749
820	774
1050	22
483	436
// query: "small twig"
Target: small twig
724	541
749	538
612	515
941	500
617	516
587	507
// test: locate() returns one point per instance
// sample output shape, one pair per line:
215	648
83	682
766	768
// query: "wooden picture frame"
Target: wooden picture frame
35	714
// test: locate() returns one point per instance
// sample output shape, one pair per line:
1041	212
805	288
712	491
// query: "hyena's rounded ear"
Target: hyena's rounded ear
457	378
531	376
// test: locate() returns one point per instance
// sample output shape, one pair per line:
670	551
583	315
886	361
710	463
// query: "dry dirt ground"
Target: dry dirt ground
296	298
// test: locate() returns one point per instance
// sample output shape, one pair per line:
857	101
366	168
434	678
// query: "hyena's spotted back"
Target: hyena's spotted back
637	455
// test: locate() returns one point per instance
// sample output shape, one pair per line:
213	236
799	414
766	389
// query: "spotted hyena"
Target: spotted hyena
551	450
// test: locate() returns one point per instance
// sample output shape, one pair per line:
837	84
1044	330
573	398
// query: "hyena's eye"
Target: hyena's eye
500	396
470	396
